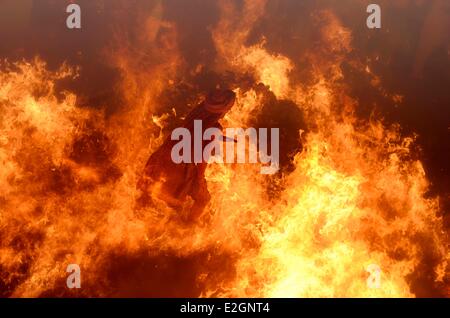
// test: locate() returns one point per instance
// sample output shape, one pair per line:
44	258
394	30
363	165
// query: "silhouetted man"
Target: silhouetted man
183	186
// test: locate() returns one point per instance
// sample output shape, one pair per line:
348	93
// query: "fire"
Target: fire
354	196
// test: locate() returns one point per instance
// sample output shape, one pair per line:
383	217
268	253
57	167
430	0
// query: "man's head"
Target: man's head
220	101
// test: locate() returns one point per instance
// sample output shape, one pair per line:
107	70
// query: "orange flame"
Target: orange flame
355	196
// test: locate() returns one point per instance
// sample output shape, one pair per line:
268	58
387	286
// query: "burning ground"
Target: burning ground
363	117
